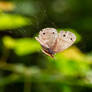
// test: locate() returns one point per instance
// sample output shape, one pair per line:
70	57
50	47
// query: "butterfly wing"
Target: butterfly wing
47	37
65	39
47	53
41	42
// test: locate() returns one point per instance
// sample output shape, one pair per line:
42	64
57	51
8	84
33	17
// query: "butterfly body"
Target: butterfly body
48	51
53	42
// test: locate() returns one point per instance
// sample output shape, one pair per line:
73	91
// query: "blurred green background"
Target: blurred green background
23	67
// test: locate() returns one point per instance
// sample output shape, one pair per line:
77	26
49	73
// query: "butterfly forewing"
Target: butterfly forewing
47	37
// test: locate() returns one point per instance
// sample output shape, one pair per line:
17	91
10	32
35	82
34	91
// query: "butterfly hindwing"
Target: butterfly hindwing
65	39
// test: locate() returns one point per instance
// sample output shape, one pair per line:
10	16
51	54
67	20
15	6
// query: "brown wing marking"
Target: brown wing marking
44	51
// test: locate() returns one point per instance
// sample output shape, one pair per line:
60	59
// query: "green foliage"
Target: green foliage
72	63
9	21
21	46
70	67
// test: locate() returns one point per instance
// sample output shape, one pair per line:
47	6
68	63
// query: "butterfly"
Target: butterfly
53	42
